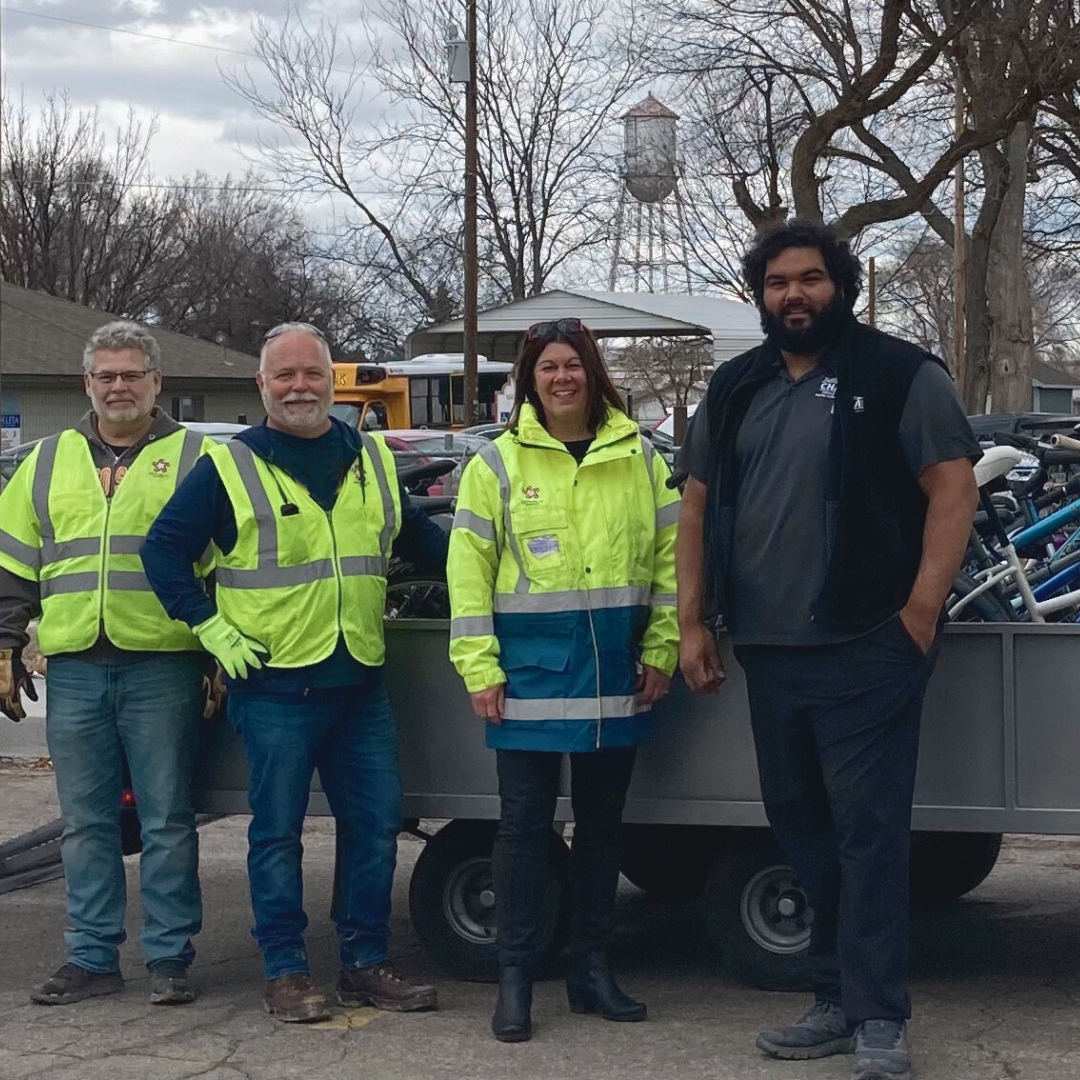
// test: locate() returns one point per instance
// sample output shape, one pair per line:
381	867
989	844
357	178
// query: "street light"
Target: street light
461	68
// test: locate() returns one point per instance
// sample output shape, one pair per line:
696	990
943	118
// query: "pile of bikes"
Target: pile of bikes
1023	560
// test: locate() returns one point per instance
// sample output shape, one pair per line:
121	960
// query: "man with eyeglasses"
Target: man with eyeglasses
304	513
123	678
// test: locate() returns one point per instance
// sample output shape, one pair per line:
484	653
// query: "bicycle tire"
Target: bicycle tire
987	607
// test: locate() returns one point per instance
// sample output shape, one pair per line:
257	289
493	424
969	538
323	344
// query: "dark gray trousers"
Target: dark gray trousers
837	734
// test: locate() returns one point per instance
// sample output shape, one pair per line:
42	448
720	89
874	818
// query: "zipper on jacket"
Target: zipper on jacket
337	569
592	633
104	580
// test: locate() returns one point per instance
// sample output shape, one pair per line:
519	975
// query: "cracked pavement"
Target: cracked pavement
996	988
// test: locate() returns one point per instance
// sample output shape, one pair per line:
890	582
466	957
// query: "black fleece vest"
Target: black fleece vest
876	547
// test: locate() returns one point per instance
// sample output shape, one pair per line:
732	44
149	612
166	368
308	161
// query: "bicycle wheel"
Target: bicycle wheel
987	607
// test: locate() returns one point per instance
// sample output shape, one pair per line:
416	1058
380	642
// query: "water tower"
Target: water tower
650	226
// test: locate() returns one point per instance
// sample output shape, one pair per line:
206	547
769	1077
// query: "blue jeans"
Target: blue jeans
145	706
348	734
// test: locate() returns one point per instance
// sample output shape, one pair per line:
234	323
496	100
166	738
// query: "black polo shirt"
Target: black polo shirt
783	522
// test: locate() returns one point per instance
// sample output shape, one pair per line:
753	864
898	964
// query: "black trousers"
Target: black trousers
520	861
837	734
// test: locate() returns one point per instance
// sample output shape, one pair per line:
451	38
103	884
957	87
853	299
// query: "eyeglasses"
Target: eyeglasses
549	331
107	378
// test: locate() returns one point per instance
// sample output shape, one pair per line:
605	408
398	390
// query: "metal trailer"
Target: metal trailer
1000	753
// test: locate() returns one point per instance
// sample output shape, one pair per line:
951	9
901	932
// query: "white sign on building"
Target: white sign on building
10	430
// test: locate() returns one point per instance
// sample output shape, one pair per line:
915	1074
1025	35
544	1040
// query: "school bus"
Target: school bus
426	392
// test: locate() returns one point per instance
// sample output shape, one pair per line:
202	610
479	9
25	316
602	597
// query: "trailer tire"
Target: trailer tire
758	915
948	865
669	862
451	900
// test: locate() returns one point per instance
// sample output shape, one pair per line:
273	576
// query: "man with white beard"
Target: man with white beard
303	513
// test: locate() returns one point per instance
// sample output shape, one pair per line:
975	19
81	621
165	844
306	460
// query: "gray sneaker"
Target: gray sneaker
881	1051
821	1032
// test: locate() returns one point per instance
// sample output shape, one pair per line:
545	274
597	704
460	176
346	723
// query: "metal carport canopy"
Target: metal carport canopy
733	326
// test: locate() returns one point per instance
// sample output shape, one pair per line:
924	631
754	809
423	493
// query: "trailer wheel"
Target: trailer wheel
758	915
452	900
947	865
669	862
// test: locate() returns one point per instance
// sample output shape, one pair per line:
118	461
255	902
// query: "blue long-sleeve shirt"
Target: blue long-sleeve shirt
201	511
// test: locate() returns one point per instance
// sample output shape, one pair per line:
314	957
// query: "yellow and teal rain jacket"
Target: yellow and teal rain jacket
562	581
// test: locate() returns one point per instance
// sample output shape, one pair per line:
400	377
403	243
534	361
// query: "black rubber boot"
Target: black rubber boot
512	1021
591	988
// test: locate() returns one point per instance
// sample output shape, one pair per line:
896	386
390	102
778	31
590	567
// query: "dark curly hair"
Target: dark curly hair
844	268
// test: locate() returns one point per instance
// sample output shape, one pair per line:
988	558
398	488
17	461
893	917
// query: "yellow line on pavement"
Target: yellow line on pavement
346	1021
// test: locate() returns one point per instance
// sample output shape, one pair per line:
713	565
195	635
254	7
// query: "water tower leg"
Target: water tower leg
620	221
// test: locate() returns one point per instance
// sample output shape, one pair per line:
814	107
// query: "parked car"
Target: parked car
219	432
418	446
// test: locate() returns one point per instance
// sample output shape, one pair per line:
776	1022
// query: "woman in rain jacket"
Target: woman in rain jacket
562	589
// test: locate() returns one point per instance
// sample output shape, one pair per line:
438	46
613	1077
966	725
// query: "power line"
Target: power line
142	34
121	30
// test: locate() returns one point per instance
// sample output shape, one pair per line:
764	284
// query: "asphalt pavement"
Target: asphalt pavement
996	988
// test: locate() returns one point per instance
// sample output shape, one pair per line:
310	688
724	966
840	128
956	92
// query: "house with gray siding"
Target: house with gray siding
41	372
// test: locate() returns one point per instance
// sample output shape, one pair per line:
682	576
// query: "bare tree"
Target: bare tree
860	130
550	79
668	370
73	220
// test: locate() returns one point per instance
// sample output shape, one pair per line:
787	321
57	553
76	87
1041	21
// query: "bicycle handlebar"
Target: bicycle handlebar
1059	494
1064	442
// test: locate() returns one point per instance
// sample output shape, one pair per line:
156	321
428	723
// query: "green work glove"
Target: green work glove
234	651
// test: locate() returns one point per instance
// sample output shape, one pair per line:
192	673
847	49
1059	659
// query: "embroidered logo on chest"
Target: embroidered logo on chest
532	493
827	389
160	467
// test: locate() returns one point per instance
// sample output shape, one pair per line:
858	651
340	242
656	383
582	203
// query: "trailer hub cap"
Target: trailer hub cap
469	901
775	911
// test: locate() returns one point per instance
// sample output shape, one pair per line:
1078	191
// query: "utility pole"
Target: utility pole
959	254
472	403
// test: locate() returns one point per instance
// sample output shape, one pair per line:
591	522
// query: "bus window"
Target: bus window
488	387
375	417
346	413
429	401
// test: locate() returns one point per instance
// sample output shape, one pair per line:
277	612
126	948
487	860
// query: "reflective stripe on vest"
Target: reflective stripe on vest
269	574
86	581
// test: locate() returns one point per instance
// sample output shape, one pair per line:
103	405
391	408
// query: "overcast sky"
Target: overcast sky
202	124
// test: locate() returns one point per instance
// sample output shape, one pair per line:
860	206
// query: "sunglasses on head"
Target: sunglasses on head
549	331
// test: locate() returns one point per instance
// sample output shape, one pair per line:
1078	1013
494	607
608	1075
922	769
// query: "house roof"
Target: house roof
1042	374
733	326
44	335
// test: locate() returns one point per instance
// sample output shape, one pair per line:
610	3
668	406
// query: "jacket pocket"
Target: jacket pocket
542	536
518	653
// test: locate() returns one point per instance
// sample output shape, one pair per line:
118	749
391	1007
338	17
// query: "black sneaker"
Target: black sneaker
821	1032
169	983
72	983
882	1051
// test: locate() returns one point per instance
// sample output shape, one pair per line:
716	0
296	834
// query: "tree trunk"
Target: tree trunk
1008	288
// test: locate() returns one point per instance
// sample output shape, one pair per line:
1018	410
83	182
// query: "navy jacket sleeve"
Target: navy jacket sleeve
420	540
198	512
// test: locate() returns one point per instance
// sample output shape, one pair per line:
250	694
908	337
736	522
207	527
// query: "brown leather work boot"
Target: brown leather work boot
293	999
384	988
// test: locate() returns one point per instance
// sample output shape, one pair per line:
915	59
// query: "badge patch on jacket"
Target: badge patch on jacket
543	545
160	467
532	492
827	389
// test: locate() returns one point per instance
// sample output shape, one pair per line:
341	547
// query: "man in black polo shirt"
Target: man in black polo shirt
829	505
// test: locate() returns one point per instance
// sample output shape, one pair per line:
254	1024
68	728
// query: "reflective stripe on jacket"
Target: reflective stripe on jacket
298	576
57	528
562	579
